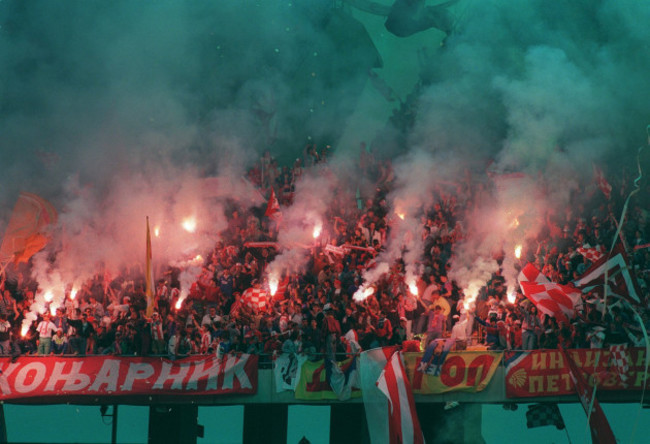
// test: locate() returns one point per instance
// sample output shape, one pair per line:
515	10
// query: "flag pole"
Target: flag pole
149	275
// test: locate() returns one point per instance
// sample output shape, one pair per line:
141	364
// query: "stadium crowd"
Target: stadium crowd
314	311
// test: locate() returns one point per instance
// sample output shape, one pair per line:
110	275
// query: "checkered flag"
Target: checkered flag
539	415
592	254
619	358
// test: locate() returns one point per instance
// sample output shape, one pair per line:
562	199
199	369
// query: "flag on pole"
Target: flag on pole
601	432
620	280
403	423
149	275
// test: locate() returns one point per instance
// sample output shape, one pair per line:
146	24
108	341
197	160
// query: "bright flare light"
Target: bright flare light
471	294
317	230
518	251
362	293
156	231
189	224
73	294
514	223
273	285
512	297
179	303
400	214
413	288
48	296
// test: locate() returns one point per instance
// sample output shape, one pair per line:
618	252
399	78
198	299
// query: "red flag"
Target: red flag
255	297
530	273
591	254
621	281
553	299
273	208
29	228
601	432
602	183
404	426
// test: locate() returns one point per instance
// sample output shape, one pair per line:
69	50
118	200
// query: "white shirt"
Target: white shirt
45	329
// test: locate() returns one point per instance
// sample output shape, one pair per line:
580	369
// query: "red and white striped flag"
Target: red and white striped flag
621	281
599	178
404	426
601	431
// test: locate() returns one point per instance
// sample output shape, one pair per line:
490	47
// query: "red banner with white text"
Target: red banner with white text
545	372
48	377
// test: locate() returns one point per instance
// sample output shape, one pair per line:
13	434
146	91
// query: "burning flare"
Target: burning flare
73	294
413	288
362	293
273	285
189	224
518	251
317	230
179	303
156	231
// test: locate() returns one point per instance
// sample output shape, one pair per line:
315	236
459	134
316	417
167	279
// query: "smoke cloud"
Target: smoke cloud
115	111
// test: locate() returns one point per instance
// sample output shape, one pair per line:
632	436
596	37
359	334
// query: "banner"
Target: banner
286	369
467	371
313	385
546	373
30	377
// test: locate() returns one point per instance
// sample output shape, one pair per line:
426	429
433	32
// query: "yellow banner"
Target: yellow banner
467	371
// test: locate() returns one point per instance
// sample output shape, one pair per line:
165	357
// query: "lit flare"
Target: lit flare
189	224
413	288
